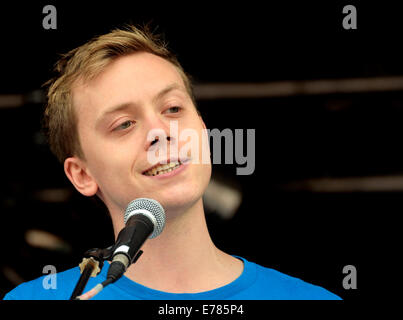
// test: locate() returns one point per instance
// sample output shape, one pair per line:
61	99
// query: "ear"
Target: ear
80	177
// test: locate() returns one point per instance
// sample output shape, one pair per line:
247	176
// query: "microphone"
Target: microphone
144	219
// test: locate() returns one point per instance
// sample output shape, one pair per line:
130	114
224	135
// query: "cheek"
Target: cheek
200	177
108	165
194	141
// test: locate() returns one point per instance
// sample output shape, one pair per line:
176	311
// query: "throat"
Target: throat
181	276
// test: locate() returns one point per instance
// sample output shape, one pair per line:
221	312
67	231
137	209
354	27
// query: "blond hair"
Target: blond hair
85	63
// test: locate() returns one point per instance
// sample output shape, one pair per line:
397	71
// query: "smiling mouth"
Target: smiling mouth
163	168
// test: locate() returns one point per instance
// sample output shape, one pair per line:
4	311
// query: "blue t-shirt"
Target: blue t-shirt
255	283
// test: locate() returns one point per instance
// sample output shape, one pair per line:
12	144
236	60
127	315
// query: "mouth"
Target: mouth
160	169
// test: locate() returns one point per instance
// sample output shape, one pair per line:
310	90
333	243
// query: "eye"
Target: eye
124	125
174	109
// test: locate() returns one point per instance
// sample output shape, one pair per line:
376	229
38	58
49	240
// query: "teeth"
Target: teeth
161	169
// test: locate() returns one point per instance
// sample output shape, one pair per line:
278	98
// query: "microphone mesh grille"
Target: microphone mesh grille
151	206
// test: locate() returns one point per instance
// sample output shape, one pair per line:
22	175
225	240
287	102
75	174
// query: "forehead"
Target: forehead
136	77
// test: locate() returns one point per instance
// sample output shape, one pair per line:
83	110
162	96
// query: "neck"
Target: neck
183	258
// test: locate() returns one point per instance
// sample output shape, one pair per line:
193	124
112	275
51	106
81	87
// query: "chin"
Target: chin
181	196
180	199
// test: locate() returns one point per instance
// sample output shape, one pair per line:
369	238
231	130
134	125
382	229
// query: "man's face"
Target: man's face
148	94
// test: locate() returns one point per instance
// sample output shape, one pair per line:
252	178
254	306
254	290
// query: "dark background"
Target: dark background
308	234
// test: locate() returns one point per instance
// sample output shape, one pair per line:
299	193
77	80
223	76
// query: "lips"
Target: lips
162	168
166	166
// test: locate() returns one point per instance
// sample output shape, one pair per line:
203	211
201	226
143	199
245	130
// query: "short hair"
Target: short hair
59	122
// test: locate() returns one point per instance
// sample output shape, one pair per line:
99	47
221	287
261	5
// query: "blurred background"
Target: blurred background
327	108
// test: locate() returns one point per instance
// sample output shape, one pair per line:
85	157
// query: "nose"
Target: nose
157	130
157	139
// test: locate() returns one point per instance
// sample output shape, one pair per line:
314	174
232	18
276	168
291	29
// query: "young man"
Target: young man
109	95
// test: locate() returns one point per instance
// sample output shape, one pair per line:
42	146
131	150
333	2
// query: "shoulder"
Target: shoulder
273	284
57	286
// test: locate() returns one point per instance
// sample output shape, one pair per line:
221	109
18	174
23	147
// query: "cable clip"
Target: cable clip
93	263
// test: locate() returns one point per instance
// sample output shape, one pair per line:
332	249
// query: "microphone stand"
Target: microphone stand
90	266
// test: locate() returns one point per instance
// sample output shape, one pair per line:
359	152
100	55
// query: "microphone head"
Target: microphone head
149	208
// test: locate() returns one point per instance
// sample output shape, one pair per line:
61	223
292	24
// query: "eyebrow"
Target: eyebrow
166	90
126	105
